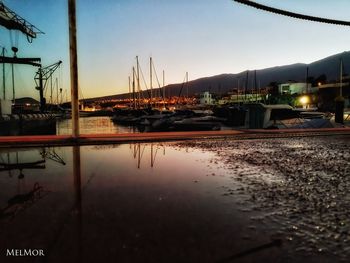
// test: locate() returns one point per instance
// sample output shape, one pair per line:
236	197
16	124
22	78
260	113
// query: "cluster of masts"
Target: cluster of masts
156	95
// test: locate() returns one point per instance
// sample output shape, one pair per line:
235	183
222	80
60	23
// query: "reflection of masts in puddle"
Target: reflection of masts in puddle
50	153
154	154
40	164
23	198
77	178
20	166
138	152
8	161
78	197
21	202
74	213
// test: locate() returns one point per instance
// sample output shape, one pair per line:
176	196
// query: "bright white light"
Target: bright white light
304	100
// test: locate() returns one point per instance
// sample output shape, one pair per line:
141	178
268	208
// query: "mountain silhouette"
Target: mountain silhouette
329	66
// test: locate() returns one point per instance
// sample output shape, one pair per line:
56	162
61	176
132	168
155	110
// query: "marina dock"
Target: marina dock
93	139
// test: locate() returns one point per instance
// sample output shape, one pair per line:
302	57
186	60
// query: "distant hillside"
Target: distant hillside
26	100
225	82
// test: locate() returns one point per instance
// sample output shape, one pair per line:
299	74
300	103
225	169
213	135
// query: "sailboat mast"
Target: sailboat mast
255	87
13	85
238	80
57	91
73	68
187	83
307	80
150	78
129	91
133	87
51	91
3	75
246	86
341	79
138	80
163	88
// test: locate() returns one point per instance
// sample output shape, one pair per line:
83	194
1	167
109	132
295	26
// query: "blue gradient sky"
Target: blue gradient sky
203	37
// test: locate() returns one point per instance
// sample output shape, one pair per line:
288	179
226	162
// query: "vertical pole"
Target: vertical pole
307	80
3	75
246	86
41	90
341	78
13	85
135	151
339	101
133	87
255	87
238	80
151	154
57	92
77	177
138	80
51	90
150	78
169	93
163	89
139	156
187	83
77	199
129	91
73	67
8	161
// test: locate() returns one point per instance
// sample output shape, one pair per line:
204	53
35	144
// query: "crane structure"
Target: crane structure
12	21
15	60
41	79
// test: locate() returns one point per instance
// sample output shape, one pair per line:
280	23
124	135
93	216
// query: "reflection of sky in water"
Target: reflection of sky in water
93	125
103	167
133	196
171	202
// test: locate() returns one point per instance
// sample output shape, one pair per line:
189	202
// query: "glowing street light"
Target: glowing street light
304	100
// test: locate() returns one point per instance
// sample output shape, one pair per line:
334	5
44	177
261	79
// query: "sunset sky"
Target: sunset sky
203	37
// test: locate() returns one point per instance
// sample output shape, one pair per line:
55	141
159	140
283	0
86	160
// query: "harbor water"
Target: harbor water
93	125
281	200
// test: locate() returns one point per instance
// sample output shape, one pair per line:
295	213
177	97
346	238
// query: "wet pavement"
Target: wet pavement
277	200
300	186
